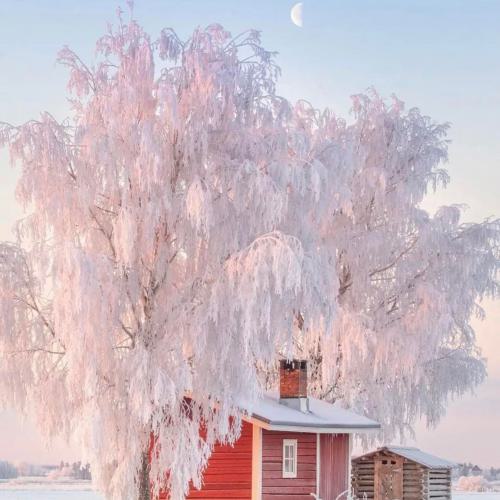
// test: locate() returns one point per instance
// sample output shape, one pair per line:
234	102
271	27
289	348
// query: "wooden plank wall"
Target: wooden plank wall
439	484
274	486
334	463
388	484
228	475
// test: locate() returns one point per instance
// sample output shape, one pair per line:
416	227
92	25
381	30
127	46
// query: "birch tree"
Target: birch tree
186	227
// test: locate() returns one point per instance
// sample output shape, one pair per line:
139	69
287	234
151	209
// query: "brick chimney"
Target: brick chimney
293	384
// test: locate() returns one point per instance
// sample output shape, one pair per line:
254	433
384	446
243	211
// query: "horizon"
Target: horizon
455	76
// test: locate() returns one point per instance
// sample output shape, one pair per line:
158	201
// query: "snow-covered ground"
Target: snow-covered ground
39	488
471	495
43	489
49	495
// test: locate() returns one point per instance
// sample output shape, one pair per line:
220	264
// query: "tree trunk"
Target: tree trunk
144	485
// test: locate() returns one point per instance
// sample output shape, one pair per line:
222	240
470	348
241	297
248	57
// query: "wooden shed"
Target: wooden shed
397	473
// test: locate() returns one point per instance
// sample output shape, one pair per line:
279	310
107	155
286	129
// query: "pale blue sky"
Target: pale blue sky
442	56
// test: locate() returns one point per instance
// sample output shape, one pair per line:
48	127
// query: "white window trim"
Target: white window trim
293	443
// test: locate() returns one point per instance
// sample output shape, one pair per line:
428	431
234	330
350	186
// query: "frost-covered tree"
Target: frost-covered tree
188	226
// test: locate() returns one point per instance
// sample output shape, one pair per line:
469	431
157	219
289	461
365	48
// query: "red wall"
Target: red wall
274	487
229	471
334	469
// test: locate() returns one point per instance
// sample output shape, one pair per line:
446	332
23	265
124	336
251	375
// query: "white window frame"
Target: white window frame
290	473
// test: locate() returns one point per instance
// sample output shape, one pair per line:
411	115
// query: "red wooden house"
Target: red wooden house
292	447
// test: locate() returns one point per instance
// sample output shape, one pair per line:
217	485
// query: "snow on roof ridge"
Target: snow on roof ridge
415	455
422	457
398	447
321	414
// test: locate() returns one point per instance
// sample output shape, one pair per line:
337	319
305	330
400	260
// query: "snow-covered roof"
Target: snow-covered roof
322	417
419	456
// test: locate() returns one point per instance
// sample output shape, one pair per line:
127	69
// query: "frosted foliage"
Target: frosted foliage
188	227
472	483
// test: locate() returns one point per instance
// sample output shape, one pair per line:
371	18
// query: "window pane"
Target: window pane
289	458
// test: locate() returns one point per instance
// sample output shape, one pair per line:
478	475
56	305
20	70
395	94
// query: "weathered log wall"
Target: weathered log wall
363	476
419	482
414	481
439	484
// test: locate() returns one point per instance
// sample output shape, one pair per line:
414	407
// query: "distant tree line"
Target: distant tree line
7	470
470	469
80	471
76	470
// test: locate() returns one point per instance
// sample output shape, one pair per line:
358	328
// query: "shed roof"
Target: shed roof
322	417
418	456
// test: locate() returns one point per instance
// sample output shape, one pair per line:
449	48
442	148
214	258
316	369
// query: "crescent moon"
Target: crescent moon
296	14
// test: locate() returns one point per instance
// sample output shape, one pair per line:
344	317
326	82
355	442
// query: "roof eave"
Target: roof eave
389	449
312	428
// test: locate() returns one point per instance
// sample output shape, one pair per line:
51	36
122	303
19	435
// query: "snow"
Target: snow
421	457
32	490
469	495
321	415
187	228
473	483
45	483
42	488
49	495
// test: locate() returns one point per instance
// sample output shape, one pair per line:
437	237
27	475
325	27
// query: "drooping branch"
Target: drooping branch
193	227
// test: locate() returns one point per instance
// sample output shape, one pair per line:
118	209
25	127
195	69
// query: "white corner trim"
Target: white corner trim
318	463
349	464
256	463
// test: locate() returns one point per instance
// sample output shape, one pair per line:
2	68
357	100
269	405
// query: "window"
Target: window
289	458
